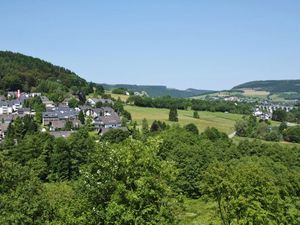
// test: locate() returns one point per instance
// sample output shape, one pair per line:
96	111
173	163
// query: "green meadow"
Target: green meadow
223	121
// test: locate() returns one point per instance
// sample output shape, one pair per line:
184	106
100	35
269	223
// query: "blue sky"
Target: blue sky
188	43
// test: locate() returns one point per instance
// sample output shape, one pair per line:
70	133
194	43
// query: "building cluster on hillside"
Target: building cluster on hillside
56	119
103	118
265	109
232	98
12	107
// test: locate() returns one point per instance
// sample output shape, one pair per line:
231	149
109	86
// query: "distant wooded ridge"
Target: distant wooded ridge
158	90
273	86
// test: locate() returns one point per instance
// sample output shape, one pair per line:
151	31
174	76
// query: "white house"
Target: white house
5	108
47	102
94	101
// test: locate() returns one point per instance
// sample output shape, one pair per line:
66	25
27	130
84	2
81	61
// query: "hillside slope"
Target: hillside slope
18	71
157	90
273	86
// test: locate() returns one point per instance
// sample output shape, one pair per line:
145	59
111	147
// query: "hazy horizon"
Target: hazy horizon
142	84
179	44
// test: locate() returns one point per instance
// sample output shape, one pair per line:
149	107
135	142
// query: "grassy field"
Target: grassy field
277	98
198	212
223	121
255	93
217	94
116	96
246	92
122	97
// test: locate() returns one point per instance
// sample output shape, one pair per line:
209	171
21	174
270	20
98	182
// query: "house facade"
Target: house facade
47	102
5	108
107	121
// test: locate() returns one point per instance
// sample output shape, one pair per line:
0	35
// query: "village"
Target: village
263	108
60	120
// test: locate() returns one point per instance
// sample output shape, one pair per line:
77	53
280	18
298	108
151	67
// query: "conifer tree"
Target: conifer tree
173	115
81	117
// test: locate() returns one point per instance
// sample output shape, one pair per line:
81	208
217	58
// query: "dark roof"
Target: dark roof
4	103
107	109
60	112
85	107
108	120
24	110
10	103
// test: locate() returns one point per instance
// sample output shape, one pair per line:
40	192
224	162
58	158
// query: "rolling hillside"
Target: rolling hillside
272	86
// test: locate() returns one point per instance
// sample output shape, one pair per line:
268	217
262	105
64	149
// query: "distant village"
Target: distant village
263	108
56	117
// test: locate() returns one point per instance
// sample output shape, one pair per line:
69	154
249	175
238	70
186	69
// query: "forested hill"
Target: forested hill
18	71
157	90
273	86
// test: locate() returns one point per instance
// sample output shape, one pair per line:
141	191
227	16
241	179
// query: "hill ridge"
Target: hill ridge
19	71
273	86
157	90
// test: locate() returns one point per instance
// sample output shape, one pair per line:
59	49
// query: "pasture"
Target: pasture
255	93
223	121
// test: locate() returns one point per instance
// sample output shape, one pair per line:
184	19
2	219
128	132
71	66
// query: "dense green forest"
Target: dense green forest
30	74
18	71
144	177
273	86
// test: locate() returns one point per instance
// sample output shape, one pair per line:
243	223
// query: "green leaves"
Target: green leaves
192	128
248	191
115	135
20	195
292	134
128	184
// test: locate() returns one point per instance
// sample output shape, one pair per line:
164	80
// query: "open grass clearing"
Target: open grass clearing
122	97
198	212
255	93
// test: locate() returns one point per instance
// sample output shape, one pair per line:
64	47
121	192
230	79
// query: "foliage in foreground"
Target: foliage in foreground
139	179
128	184
255	190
